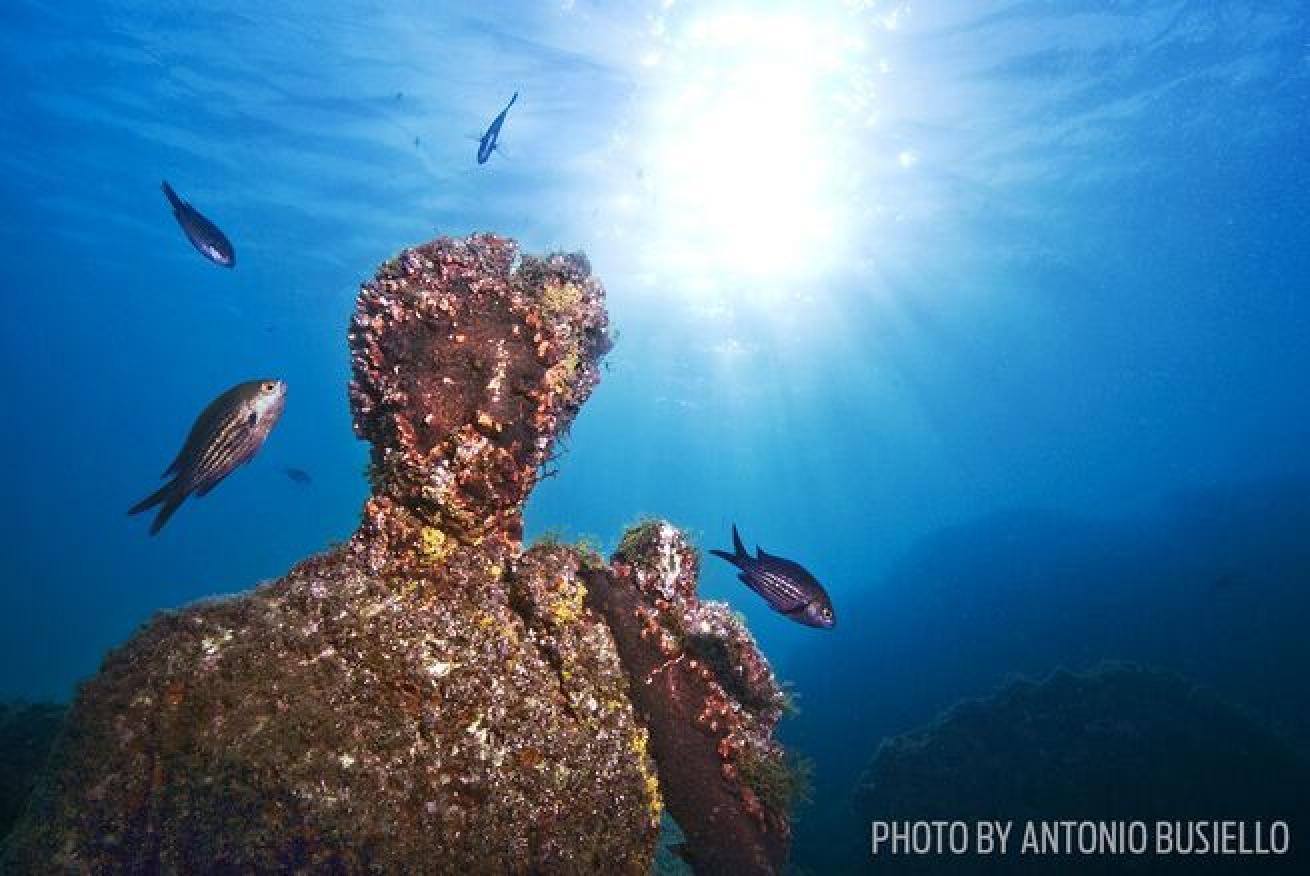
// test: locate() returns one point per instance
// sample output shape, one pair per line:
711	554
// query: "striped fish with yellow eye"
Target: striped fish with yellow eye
227	434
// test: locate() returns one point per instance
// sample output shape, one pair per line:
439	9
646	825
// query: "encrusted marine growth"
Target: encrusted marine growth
424	699
469	361
428	698
708	697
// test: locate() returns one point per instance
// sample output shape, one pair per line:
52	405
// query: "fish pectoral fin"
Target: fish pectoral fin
252	419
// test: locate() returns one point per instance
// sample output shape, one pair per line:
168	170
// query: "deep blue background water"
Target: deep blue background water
1006	286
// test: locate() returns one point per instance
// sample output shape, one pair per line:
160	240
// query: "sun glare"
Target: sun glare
745	164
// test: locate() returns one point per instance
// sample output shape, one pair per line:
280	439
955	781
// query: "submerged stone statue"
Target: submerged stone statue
429	697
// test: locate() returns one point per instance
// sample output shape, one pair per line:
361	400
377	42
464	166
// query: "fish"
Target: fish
785	585
227	434
299	475
487	143
204	235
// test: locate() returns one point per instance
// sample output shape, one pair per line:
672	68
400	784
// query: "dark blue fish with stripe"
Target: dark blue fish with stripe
487	143
787	587
204	235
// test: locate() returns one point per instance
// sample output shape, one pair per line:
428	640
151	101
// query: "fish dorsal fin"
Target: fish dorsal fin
763	554
738	549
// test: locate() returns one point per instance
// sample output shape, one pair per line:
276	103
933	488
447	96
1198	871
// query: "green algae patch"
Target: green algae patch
637	538
782	781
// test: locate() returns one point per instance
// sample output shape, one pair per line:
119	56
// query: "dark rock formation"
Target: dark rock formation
425	698
1209	584
1118	743
692	664
27	730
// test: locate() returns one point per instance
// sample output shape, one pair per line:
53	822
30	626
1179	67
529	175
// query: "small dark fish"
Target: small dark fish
299	475
203	234
785	585
487	144
227	434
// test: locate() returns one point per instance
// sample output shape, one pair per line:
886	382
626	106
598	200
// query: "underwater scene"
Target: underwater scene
655	437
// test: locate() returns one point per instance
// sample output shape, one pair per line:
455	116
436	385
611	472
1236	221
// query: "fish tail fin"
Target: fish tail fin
168	497
739	550
152	500
173	199
166	511
724	555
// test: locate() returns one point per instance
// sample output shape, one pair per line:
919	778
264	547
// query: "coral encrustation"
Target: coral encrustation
708	697
469	362
428	697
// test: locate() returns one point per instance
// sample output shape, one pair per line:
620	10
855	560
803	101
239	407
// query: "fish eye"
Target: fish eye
827	613
268	386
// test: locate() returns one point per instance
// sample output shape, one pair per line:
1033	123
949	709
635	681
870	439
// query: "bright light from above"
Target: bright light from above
745	162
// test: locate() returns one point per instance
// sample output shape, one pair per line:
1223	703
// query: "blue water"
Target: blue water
934	298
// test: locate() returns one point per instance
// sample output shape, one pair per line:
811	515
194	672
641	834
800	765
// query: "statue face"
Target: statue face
466	373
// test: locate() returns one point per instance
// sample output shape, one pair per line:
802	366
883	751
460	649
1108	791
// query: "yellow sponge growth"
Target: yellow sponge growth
568	606
434	545
639	744
558	299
